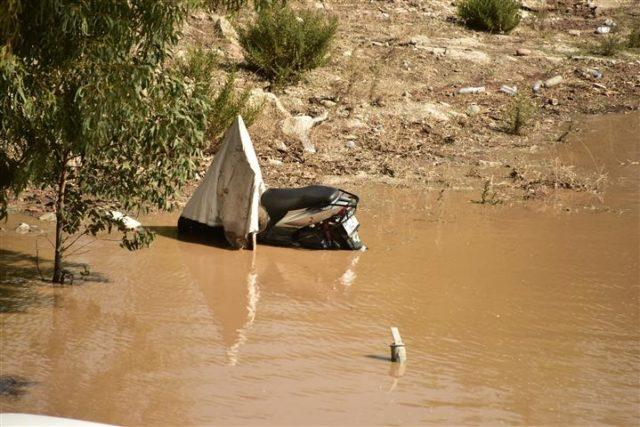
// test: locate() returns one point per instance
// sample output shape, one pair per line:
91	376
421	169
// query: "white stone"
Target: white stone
473	110
553	81
49	217
23	228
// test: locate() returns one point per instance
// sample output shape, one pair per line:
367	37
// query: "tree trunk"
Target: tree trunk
58	276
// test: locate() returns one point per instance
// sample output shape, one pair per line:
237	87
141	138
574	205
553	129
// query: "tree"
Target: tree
90	108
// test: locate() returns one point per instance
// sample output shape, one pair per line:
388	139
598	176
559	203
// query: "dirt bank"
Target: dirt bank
394	112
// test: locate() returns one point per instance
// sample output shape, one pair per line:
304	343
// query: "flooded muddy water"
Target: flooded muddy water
518	314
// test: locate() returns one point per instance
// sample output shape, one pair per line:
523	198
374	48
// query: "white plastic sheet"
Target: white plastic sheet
229	194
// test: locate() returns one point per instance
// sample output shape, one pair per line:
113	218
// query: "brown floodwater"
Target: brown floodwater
517	314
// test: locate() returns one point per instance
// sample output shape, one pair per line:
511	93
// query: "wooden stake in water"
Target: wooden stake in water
398	351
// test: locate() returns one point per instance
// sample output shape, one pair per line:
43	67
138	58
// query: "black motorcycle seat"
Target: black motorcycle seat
279	201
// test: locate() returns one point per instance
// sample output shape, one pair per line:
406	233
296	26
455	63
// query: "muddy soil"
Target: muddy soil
511	313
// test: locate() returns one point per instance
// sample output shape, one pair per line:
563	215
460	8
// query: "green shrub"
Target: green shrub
519	114
226	102
282	44
634	37
236	5
494	16
229	103
608	45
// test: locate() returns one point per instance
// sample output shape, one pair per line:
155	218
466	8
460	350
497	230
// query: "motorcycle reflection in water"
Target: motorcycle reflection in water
234	288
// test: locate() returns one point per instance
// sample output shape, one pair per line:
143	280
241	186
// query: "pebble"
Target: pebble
328	103
552	101
274	162
523	52
537	86
473	110
603	30
553	81
351	145
49	216
574	32
23	228
596	74
281	146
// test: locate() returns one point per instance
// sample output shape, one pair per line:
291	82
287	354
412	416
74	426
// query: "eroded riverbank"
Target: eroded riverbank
514	313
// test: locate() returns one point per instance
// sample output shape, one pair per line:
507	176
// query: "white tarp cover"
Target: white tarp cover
229	194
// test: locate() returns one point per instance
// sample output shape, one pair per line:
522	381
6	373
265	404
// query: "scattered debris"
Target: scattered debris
468	90
509	90
127	221
553	81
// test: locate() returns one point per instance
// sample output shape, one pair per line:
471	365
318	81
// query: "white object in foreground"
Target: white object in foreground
12	419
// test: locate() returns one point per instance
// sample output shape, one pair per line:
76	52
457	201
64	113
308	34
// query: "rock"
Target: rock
523	52
552	101
600	86
224	28
274	162
281	146
609	23
603	30
23	228
574	32
553	81
470	89
351	145
473	110
49	217
595	73
299	127
258	96
328	103
509	90
537	86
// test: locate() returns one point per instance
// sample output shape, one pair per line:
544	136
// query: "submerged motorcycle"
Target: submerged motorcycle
233	198
313	217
